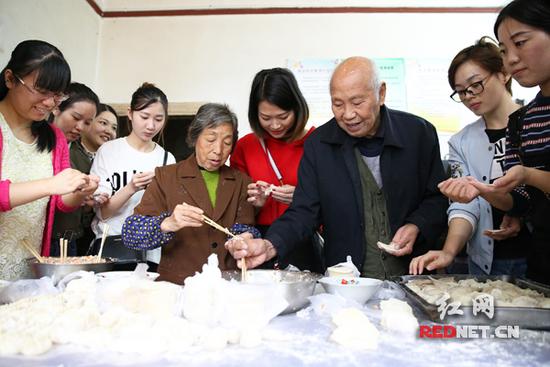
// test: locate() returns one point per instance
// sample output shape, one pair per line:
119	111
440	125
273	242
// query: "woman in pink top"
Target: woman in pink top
35	178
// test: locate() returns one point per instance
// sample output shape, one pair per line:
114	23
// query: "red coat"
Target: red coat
250	158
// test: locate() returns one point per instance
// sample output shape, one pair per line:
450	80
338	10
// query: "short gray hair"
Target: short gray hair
212	115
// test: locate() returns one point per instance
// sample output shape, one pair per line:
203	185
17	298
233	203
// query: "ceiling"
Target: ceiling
142	8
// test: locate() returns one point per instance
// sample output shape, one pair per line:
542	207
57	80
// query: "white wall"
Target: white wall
70	25
214	58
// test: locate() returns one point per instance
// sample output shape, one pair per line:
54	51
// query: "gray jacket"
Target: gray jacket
471	154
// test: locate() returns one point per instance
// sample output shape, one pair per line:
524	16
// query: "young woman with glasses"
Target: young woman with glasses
35	178
497	242
523	30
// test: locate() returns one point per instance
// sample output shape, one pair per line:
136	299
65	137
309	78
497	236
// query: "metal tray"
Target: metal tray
525	317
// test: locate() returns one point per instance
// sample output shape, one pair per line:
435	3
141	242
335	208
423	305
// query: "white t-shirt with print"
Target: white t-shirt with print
115	163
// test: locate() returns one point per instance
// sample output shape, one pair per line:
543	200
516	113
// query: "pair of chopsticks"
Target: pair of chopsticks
103	238
29	248
63	245
210	222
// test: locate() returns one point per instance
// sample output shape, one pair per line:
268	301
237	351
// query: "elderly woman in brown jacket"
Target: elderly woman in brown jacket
171	211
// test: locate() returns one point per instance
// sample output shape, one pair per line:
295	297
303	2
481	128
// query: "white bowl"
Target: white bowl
354	288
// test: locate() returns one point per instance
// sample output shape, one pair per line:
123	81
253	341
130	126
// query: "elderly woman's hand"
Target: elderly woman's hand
184	215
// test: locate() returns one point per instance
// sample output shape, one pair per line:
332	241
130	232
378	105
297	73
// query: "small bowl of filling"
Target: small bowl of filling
357	289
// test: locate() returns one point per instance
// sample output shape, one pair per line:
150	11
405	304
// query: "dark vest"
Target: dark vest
377	263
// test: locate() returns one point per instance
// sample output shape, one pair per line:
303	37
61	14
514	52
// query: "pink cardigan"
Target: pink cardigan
60	160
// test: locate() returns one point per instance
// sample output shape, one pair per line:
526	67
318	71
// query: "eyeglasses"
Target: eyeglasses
57	97
473	89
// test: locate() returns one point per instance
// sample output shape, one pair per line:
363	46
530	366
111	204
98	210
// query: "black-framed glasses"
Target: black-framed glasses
57	97
473	89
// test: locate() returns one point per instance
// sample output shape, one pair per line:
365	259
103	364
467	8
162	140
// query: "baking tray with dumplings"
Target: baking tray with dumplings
517	301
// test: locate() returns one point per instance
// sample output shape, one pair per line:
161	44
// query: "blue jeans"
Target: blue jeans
514	267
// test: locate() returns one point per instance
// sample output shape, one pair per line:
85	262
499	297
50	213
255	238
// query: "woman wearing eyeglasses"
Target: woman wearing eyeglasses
523	31
35	178
479	81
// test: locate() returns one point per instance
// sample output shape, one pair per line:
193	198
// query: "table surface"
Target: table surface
303	340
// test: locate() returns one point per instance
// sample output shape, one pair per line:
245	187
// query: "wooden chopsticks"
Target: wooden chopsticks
29	248
210	222
103	238
63	245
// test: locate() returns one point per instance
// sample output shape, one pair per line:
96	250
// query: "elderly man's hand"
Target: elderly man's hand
404	239
254	251
283	193
460	190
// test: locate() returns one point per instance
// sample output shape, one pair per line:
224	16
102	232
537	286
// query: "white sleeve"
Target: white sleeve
171	159
100	168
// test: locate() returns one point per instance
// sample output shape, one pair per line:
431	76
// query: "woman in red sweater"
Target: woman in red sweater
278	114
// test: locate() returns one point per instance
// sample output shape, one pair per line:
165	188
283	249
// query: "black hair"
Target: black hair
53	75
105	107
278	86
534	13
78	92
146	95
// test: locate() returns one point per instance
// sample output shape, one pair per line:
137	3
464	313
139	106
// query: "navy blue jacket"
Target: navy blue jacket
329	189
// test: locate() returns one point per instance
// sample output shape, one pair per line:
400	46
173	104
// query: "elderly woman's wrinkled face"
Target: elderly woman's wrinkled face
214	146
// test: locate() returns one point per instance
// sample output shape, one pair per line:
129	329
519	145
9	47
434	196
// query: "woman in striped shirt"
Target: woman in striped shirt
523	31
